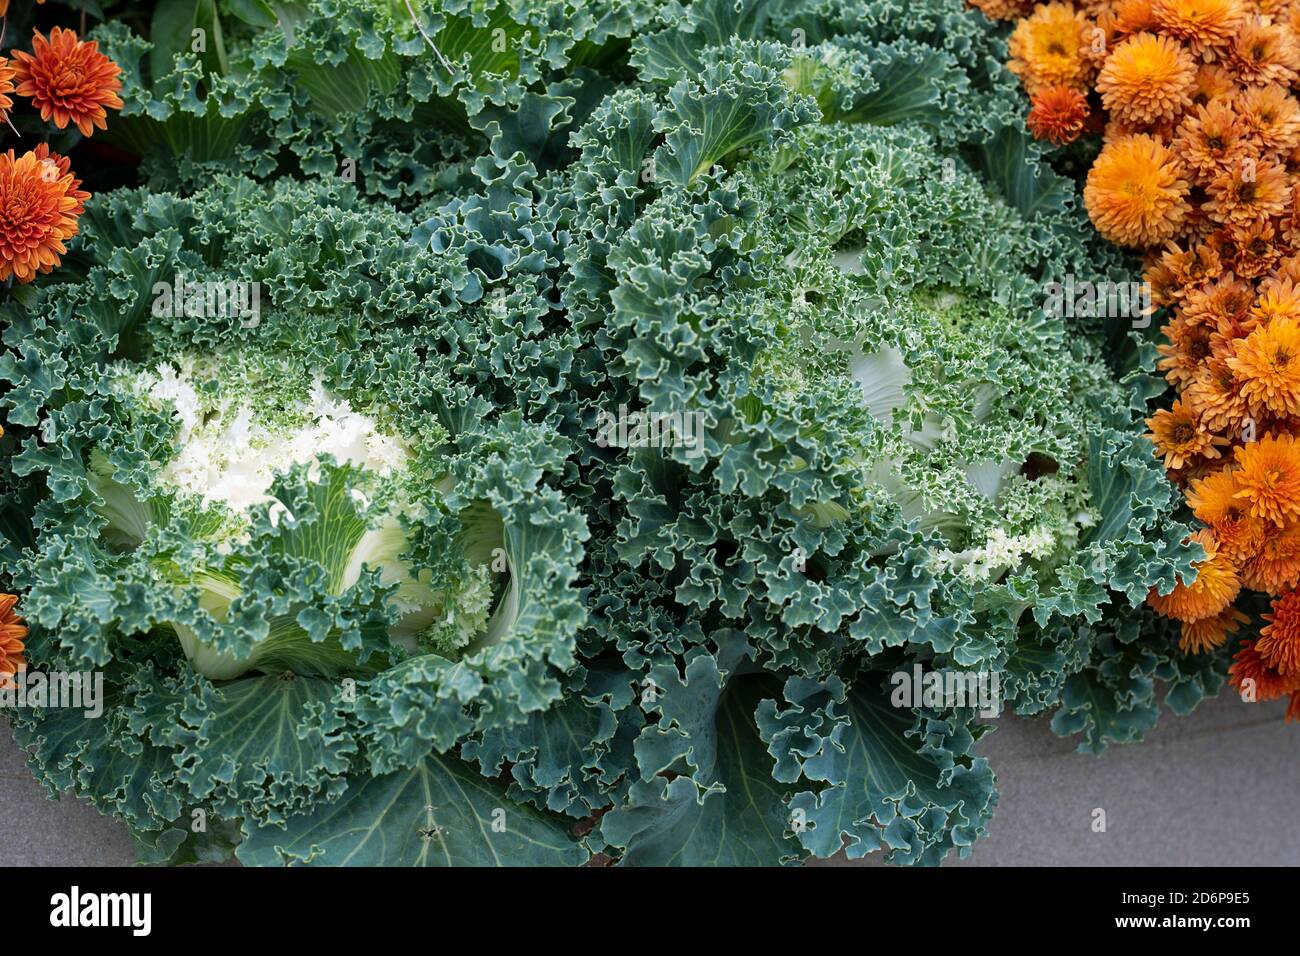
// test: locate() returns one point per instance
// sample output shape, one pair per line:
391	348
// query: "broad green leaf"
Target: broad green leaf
270	744
1009	159
438	813
256	13
895	781
172	33
706	796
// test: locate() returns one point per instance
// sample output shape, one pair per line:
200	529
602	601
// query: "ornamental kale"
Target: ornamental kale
621	396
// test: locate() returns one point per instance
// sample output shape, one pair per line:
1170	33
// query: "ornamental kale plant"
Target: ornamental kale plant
542	432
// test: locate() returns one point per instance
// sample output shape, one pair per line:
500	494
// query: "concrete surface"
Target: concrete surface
44	832
1216	788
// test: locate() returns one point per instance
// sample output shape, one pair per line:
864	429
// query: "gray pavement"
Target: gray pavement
1216	788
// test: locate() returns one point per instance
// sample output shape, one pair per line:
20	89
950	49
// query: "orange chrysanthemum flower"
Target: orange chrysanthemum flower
1213	500
7	74
1201	468
1278	299
1256	250
1204	635
1147	79
1203	25
69	80
1165	290
54	166
1279	639
1136	194
1275	567
1187	268
1270	116
1291	229
1184	355
12	633
1248	191
1212	82
1104	34
1250	675
1223	340
1268	475
1215	395
1057	114
1047	48
1217	238
1161	132
1226	299
1212	140
1133	16
1264	53
1178	437
1277	10
1216	586
1268	363
1003	9
39	205
1288	269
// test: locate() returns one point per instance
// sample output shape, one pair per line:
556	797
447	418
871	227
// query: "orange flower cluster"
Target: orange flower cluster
70	82
1200	170
12	632
39	205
